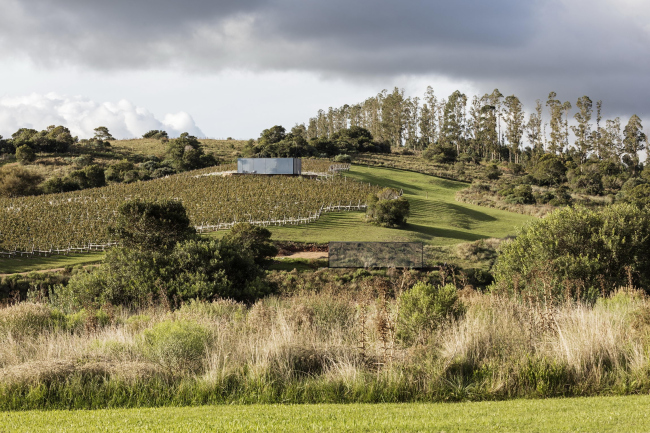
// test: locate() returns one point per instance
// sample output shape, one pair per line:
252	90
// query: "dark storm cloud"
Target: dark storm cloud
575	47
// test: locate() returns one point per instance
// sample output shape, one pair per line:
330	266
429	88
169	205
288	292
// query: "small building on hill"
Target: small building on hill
270	166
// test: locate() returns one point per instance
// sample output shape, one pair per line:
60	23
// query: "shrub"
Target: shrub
177	346
343	158
492	172
387	208
549	170
424	308
151	226
25	154
18	181
577	252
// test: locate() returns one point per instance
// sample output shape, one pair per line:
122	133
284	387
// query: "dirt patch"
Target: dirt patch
305	255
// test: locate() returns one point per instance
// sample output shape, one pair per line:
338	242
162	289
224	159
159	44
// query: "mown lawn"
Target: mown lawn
28	264
436	217
596	414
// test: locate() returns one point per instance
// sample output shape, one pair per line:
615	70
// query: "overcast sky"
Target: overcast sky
220	68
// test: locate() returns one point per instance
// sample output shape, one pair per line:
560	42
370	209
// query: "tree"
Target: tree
556	144
387	208
255	239
186	153
101	133
549	170
156	134
146	225
534	131
514	118
582	130
634	141
25	154
453	121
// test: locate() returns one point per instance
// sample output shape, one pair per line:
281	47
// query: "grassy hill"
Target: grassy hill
436	217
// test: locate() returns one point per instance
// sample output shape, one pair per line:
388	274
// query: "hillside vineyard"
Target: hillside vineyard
78	218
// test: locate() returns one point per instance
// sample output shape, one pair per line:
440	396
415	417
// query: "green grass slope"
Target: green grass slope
436	217
601	414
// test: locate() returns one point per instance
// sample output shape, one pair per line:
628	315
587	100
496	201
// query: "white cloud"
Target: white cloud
81	115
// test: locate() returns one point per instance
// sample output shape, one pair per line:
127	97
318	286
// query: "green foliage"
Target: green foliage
423	308
53	139
440	153
549	170
577	252
152	226
18	181
193	269
387	208
252	238
25	154
639	195
178	346
101	133
492	172
186	153
343	158
156	134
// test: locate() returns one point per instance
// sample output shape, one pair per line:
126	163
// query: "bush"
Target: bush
387	209
149	225
549	170
25	154
423	309
177	346
18	181
492	172
343	158
577	252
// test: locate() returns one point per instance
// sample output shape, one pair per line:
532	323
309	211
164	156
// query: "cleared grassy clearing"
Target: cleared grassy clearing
602	414
29	264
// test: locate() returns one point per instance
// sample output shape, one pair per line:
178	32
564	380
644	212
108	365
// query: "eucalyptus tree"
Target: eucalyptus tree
634	141
534	132
428	118
566	107
393	119
612	140
582	130
411	116
474	127
514	118
495	99
453	122
556	144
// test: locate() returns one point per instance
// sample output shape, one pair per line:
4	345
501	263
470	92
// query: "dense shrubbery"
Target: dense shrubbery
18	181
423	308
577	253
160	258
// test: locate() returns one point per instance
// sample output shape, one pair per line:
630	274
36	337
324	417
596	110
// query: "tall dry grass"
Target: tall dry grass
328	347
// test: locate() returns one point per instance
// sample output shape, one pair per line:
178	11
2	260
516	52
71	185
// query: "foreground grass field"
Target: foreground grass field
603	414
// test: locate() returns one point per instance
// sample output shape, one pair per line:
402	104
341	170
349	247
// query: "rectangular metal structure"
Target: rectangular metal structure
269	166
376	255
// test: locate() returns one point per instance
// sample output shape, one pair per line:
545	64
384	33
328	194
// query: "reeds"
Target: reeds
326	347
